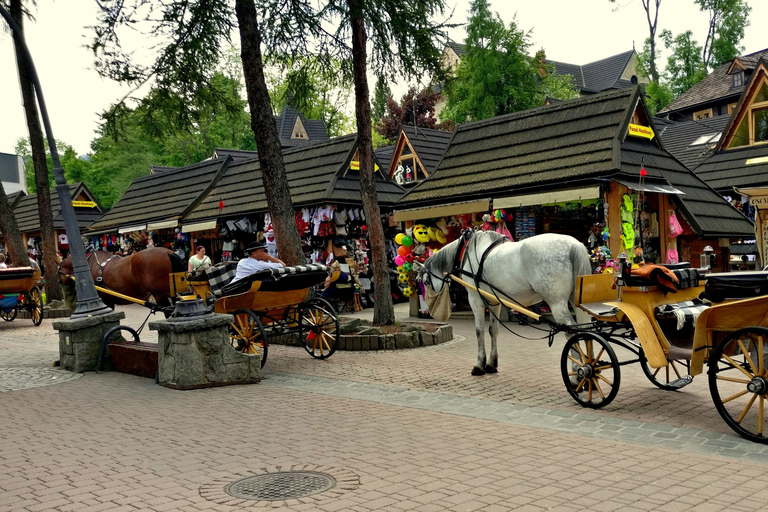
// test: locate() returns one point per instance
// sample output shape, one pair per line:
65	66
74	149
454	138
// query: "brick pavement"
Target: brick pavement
405	430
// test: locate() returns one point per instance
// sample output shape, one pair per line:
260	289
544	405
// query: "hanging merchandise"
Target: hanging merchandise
672	256
627	226
675	229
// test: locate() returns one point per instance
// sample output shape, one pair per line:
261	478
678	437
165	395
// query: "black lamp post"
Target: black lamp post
88	301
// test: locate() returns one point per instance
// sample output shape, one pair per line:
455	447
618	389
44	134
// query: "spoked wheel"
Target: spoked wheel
323	303
590	370
247	335
8	315
738	381
667	377
319	330
33	302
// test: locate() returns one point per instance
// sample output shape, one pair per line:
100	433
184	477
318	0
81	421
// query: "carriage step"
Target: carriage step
681	383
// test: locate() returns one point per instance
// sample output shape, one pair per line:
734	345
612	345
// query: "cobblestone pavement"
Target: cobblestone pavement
404	430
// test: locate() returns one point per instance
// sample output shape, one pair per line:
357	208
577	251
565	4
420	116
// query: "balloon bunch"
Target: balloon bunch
417	244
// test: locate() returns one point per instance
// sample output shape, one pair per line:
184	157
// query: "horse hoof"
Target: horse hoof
477	371
490	369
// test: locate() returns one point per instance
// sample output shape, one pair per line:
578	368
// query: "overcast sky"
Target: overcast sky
570	31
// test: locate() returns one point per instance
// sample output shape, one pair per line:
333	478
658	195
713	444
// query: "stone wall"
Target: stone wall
359	341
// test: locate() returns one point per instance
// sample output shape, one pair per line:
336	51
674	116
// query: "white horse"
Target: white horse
543	267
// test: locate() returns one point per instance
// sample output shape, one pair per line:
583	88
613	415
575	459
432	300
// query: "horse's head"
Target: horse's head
68	288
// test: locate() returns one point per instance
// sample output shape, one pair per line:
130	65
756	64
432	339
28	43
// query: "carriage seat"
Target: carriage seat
687	277
735	285
217	276
280	279
678	322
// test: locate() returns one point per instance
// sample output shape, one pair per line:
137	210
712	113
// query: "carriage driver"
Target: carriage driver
258	259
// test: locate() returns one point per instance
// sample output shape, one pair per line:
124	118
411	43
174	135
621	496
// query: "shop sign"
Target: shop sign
759	160
355	166
84	204
645	132
760	202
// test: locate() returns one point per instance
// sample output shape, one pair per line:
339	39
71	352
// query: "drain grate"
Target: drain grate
284	485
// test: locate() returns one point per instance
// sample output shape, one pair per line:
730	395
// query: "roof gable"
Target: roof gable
741	130
601	75
419	148
27	211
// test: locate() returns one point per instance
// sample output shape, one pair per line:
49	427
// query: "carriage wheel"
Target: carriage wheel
9	315
319	330
738	381
323	303
247	334
675	370
33	302
590	370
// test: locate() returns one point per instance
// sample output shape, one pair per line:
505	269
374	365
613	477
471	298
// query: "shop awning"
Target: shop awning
650	186
551	197
443	210
200	226
128	229
163	224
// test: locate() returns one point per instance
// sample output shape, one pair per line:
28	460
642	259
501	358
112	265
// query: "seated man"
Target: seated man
258	259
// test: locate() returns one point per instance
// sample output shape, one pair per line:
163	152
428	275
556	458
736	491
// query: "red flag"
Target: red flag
642	172
221	205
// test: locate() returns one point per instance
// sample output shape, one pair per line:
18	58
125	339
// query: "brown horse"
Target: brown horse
140	275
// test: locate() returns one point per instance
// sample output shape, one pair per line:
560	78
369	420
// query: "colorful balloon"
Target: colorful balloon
409	257
399	238
432	233
440	236
408	266
401	269
403	278
407	241
403	250
420	233
407	291
399	260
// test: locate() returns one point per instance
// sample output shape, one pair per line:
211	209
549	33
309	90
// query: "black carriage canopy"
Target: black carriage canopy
8	274
272	280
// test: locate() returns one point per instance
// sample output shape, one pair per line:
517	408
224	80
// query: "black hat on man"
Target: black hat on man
254	246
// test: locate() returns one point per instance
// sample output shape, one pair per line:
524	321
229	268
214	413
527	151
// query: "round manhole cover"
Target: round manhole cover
281	486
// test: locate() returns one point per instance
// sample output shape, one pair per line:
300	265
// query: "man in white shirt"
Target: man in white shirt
258	259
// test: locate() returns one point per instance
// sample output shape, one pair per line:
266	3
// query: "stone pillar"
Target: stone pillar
197	354
80	340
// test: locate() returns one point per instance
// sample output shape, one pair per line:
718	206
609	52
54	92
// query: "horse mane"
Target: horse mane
443	260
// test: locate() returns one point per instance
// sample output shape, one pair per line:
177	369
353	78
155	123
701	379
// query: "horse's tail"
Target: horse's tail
581	266
177	264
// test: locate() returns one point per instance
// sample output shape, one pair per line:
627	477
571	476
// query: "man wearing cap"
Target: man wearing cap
258	259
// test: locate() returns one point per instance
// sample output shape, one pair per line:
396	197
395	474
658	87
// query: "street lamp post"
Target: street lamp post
88	301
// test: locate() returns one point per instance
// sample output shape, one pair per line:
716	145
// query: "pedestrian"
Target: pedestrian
199	260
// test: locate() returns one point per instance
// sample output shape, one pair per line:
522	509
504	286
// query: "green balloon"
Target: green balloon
407	241
408	266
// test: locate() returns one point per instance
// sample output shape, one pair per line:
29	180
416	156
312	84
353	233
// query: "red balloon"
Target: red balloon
410	257
403	250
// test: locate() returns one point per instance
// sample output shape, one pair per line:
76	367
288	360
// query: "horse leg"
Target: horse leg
493	330
562	315
478	309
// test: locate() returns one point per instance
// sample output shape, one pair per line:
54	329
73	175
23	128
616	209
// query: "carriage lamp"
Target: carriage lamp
705	260
88	301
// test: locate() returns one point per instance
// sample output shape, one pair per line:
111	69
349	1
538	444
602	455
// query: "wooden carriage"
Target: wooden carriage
19	292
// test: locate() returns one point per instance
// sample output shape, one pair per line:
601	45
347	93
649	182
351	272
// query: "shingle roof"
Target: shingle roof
600	75
159	169
727	169
715	86
317	174
429	145
163	196
236	154
27	212
558	146
678	137
287	120
458	48
383	156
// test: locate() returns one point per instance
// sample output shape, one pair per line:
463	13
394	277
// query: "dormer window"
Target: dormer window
737	79
753	128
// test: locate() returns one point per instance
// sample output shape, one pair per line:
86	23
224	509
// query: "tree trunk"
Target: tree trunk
265	131
383	309
14	245
37	144
652	32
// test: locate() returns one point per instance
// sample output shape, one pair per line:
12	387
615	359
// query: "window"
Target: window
737	79
702	114
753	128
704	139
730	108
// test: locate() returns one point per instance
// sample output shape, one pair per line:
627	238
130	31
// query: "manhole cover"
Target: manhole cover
281	486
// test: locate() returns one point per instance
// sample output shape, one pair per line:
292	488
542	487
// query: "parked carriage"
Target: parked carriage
268	304
19	292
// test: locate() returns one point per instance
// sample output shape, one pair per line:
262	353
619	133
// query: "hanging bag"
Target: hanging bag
675	229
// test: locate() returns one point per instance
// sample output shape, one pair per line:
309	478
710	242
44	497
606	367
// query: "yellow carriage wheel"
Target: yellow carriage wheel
590	370
738	382
247	335
32	302
318	330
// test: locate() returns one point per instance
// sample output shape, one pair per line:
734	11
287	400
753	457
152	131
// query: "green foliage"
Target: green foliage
75	169
727	21
657	96
381	94
496	76
316	97
684	66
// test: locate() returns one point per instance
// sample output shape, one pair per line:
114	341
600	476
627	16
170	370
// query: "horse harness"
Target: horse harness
99	278
461	256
